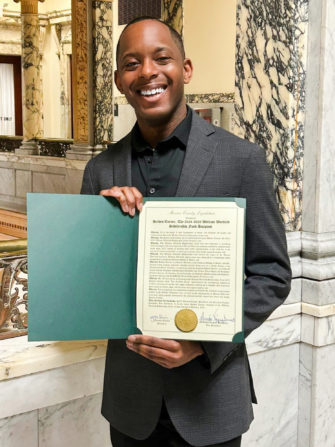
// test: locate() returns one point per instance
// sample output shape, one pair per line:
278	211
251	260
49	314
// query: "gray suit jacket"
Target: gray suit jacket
212	404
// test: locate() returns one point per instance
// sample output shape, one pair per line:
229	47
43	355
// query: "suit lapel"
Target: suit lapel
122	162
199	153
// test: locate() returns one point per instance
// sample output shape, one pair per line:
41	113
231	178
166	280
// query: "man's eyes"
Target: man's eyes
132	65
163	59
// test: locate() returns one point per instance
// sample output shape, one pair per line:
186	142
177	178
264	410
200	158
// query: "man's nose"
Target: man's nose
149	68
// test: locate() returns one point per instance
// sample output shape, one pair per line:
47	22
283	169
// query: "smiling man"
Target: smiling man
152	71
180	393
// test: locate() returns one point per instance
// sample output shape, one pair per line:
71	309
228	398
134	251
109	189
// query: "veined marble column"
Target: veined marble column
31	88
82	81
103	71
271	46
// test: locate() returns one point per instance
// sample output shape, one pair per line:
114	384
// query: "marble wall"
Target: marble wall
56	426
52	393
317	354
319	172
270	91
20	174
103	70
276	414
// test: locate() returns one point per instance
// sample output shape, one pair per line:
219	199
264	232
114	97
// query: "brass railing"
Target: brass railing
13	288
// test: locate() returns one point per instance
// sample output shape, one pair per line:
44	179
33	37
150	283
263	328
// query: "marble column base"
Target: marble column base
98	148
80	151
28	148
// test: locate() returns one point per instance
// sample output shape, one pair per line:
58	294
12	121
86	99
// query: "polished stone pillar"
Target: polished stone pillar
271	44
31	82
82	81
103	72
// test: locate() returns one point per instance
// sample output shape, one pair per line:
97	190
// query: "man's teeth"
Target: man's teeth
152	92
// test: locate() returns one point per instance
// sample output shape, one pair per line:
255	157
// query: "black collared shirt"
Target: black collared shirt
156	172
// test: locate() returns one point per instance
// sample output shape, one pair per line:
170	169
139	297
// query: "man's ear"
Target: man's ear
188	70
117	81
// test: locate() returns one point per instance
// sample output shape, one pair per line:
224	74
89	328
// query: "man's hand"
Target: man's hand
129	198
167	353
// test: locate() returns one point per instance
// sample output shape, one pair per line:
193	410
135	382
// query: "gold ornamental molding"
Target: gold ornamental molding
80	71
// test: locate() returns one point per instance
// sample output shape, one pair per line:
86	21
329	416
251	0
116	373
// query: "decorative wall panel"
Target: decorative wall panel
173	14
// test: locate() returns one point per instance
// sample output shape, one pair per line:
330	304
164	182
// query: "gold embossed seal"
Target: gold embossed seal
186	320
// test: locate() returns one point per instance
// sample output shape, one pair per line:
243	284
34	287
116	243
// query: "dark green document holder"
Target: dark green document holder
82	260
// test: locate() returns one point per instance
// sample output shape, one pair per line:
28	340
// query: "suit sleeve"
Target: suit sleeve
267	265
87	185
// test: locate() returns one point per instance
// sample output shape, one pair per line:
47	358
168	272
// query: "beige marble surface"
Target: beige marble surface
19	161
18	357
22	174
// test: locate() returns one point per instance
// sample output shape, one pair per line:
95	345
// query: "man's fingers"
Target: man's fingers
163	357
118	195
138	198
131	201
134	199
169	345
167	353
129	198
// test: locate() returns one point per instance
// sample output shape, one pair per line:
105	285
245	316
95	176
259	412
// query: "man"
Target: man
180	393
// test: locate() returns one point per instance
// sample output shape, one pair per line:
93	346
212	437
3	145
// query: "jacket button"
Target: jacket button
152	190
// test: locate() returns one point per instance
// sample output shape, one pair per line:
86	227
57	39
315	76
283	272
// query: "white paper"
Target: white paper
190	256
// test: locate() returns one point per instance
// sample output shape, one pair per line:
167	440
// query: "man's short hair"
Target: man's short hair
175	35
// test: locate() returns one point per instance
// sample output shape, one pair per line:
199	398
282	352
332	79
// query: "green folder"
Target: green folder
82	254
82	261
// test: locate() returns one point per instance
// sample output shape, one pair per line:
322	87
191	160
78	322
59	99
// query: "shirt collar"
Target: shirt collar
179	135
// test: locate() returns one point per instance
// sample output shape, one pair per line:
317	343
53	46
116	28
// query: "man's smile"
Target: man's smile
151	91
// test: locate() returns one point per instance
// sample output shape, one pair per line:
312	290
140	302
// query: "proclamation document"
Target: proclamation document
190	271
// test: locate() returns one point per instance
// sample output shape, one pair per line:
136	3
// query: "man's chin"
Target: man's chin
155	116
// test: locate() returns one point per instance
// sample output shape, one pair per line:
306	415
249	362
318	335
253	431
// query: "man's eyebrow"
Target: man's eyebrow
134	54
157	50
124	56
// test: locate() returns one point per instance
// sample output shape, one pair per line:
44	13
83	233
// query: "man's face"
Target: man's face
152	73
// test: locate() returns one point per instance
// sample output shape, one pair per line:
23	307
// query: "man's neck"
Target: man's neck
153	133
